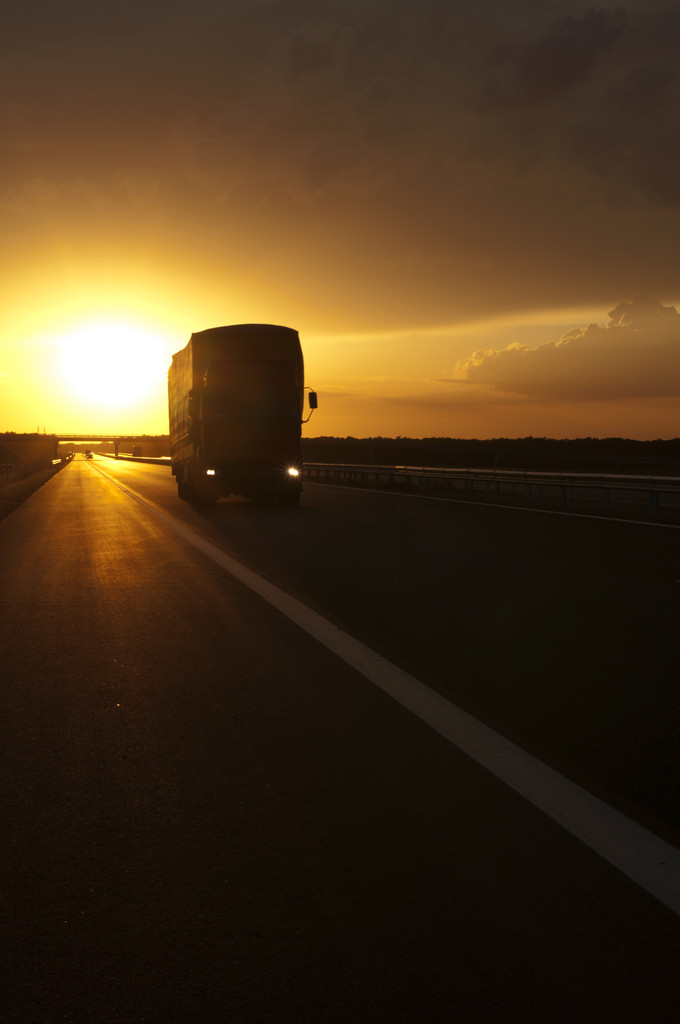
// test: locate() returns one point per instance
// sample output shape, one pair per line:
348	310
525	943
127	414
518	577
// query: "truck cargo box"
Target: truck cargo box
235	401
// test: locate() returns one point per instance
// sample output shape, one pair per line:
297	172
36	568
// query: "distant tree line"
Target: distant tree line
24	437
586	454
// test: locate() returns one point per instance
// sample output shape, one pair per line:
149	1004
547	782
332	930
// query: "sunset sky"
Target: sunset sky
469	210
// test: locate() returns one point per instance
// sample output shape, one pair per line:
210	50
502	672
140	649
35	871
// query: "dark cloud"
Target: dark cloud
592	99
567	50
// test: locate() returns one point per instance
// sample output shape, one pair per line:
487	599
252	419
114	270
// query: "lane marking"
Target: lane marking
644	858
494	504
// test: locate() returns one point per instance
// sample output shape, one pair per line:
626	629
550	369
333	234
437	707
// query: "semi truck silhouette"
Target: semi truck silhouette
235	403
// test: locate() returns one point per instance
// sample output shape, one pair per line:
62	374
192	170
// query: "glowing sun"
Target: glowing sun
112	364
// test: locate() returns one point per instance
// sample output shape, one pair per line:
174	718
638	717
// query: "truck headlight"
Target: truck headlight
293	471
210	472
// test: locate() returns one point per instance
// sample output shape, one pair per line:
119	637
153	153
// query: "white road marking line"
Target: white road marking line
648	861
495	504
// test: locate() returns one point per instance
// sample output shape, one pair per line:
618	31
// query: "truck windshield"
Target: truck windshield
251	387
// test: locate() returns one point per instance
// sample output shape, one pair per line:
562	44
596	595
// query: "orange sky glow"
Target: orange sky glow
469	212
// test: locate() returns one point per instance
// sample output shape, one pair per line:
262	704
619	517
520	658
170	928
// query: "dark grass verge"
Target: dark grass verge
14	494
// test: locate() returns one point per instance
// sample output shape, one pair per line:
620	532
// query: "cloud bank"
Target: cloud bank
635	355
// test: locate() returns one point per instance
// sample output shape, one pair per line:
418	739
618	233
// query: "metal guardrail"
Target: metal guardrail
659	495
606	492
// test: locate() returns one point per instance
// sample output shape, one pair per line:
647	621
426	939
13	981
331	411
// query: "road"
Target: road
210	817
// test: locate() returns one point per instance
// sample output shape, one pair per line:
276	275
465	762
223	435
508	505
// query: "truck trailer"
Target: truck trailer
236	402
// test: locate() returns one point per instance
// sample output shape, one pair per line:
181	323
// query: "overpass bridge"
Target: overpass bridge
34	450
156	444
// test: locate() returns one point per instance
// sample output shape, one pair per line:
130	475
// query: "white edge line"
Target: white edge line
644	858
495	504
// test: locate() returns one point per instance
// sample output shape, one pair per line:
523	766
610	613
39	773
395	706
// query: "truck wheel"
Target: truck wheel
205	500
288	495
203	494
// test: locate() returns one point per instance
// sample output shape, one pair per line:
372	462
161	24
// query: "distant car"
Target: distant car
88	455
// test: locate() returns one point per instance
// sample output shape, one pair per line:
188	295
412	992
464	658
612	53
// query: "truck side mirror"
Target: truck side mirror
313	400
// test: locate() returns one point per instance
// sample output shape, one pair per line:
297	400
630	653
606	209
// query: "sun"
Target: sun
112	364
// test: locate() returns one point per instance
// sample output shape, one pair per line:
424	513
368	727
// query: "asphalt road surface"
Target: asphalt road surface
210	817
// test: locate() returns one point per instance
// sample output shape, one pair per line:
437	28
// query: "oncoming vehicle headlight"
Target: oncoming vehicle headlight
210	472
292	471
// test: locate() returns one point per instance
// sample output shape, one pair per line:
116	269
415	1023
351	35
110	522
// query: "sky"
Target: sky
470	211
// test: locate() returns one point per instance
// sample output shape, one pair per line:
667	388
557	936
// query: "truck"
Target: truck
236	404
